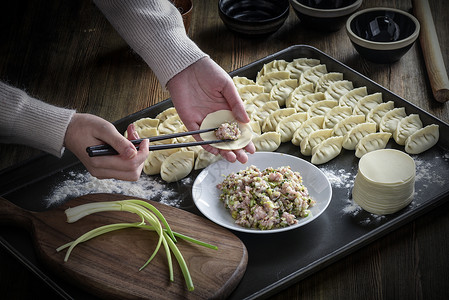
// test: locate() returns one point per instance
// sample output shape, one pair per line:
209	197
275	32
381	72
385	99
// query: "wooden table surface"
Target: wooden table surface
66	53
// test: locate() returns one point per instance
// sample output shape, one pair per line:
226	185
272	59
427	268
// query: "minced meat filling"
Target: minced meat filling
228	131
272	198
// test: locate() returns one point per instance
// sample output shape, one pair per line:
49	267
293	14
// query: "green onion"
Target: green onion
151	219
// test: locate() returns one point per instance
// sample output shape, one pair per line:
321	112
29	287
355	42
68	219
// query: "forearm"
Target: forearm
154	30
28	121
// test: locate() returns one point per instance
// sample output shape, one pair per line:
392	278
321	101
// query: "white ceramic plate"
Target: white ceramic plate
206	195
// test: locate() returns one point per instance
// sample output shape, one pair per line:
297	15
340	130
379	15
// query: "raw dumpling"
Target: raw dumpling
338	89
146	132
265	111
367	103
313	74
255	127
305	102
298	93
335	115
376	113
288	125
170	125
152	164
250	108
352	97
275	117
182	139
390	120
326	80
273	66
326	150
299	65
217	118
320	108
313	139
205	158
306	128
146	122
342	127
282	90
406	127
164	115
268	81
188	139
242	81
267	141
353	136
249	91
177	166
259	100
145	126
422	139
371	142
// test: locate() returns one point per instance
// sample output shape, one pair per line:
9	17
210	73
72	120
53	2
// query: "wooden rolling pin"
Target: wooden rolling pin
436	69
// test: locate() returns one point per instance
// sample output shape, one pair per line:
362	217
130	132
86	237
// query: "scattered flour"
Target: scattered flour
353	209
340	178
427	173
78	184
446	156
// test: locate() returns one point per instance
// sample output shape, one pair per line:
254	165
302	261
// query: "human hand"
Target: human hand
88	130
202	88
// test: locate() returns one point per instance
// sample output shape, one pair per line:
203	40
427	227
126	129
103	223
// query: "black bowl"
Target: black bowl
253	17
382	35
324	15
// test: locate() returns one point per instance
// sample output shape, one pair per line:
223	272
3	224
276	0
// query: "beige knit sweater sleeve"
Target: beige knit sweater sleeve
153	28
28	121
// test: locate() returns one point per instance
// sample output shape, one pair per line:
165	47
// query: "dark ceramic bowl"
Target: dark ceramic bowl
324	15
253	17
382	35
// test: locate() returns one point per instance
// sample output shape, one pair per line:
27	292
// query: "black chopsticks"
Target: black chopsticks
102	150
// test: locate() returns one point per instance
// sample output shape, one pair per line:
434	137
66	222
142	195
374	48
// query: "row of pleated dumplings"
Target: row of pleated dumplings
322	113
302	103
176	163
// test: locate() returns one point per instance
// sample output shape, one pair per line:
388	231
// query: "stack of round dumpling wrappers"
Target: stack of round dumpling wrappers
385	182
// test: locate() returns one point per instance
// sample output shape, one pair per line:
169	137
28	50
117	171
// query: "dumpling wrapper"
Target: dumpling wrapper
385	182
219	117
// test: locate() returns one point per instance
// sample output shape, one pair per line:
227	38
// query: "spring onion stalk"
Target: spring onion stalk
190	239
96	232
167	251
157	213
141	225
182	263
151	219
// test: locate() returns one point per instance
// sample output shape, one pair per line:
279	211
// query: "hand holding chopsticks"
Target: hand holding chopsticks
102	150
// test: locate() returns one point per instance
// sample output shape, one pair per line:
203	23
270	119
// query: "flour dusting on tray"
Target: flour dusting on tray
79	184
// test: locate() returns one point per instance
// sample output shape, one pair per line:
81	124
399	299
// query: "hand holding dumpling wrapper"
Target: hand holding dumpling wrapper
216	119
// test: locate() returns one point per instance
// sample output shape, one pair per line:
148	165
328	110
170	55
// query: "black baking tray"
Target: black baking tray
275	260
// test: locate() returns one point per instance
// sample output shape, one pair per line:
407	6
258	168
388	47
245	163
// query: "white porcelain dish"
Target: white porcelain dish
206	195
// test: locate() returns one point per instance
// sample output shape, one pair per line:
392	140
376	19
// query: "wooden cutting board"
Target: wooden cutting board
108	266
